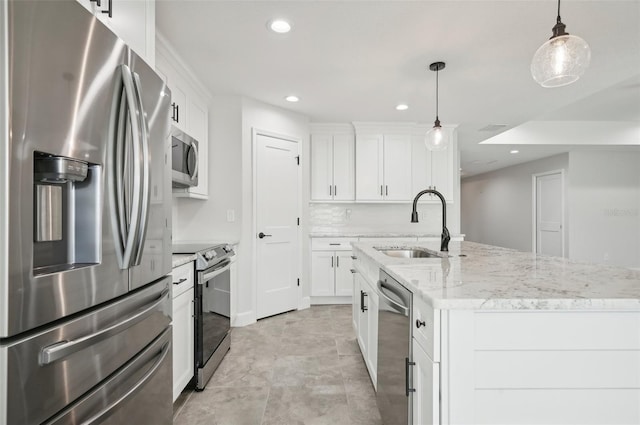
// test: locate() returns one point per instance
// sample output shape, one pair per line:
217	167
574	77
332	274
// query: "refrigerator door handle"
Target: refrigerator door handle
143	380
136	203
146	177
64	349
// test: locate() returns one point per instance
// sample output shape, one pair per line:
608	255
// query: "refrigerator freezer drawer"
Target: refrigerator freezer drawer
138	393
51	369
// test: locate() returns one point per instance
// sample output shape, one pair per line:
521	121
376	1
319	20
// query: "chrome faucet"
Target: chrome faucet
445	237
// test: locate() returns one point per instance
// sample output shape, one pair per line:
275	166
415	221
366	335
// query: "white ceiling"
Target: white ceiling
355	60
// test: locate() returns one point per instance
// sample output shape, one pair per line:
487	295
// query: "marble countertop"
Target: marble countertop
180	259
477	276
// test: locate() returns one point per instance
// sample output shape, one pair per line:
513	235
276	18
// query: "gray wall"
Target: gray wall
496	207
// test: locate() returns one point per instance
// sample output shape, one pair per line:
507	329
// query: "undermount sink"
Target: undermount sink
409	253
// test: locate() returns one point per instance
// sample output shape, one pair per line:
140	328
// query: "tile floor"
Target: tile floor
297	368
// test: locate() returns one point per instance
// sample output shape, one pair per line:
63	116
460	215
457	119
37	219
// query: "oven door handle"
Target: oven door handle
216	271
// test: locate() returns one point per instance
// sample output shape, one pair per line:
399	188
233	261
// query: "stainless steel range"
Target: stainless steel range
212	305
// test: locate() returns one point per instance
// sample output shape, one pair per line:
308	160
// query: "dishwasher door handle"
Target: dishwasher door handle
398	307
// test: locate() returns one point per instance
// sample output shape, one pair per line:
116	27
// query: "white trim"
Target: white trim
331	128
243	319
164	48
305	303
254	222
331	300
534	215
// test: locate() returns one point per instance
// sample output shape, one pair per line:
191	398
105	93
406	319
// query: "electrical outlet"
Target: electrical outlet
231	216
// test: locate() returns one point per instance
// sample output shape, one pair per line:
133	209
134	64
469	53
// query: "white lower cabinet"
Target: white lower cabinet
331	264
366	321
426	383
183	327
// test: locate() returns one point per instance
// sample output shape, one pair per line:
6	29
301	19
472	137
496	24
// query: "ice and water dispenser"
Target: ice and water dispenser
67	216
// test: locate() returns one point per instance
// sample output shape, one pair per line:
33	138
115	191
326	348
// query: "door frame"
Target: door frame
534	213
255	132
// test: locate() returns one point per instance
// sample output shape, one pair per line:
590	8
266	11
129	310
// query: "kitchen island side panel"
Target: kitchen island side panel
515	367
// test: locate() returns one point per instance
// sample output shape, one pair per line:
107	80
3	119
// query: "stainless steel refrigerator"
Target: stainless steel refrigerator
85	223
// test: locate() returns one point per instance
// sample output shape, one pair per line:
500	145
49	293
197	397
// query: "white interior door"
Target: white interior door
549	215
277	183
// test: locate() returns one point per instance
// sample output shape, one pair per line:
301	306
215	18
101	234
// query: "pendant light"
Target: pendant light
562	59
436	138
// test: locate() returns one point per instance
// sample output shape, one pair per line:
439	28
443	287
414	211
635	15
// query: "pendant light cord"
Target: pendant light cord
437	73
558	19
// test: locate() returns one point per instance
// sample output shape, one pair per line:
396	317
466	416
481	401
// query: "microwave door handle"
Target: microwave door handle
146	178
194	146
130	94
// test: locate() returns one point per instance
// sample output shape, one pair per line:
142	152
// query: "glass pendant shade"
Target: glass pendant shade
436	139
560	61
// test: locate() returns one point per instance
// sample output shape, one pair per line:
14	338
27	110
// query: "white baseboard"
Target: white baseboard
243	319
330	300
305	302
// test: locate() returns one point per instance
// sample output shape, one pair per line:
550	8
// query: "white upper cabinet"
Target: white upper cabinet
433	170
134	21
332	167
189	112
383	167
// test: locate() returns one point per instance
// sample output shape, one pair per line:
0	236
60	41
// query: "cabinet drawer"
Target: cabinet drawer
332	244
182	278
427	335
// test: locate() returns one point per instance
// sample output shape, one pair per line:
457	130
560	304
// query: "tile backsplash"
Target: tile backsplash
376	218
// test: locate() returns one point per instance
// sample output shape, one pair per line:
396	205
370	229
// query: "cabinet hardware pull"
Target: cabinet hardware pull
337	261
335	190
177	110
353	257
180	281
335	244
173	111
387	190
381	190
330	191
362	306
332	261
407	364
109	10
420	323
353	271
97	2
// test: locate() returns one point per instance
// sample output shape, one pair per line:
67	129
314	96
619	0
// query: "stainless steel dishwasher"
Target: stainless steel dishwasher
394	351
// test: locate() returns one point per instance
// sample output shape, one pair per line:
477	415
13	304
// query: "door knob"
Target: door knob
262	235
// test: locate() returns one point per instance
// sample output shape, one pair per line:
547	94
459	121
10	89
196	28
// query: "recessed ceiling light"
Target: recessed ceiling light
514	151
292	98
280	26
402	107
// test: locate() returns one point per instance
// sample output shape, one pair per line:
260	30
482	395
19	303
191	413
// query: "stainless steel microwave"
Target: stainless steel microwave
184	159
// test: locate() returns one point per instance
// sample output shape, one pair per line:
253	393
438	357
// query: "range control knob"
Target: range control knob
209	255
227	248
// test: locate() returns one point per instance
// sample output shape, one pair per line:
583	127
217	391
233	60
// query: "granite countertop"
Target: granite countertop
180	259
477	276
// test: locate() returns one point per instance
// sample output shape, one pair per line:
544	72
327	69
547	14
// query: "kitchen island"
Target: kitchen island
502	336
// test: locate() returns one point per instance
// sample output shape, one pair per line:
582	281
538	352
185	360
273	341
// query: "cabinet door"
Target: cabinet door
369	167
178	112
183	342
134	22
321	167
363	317
344	185
344	277
397	167
426	382
355	303
197	125
443	172
322	273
